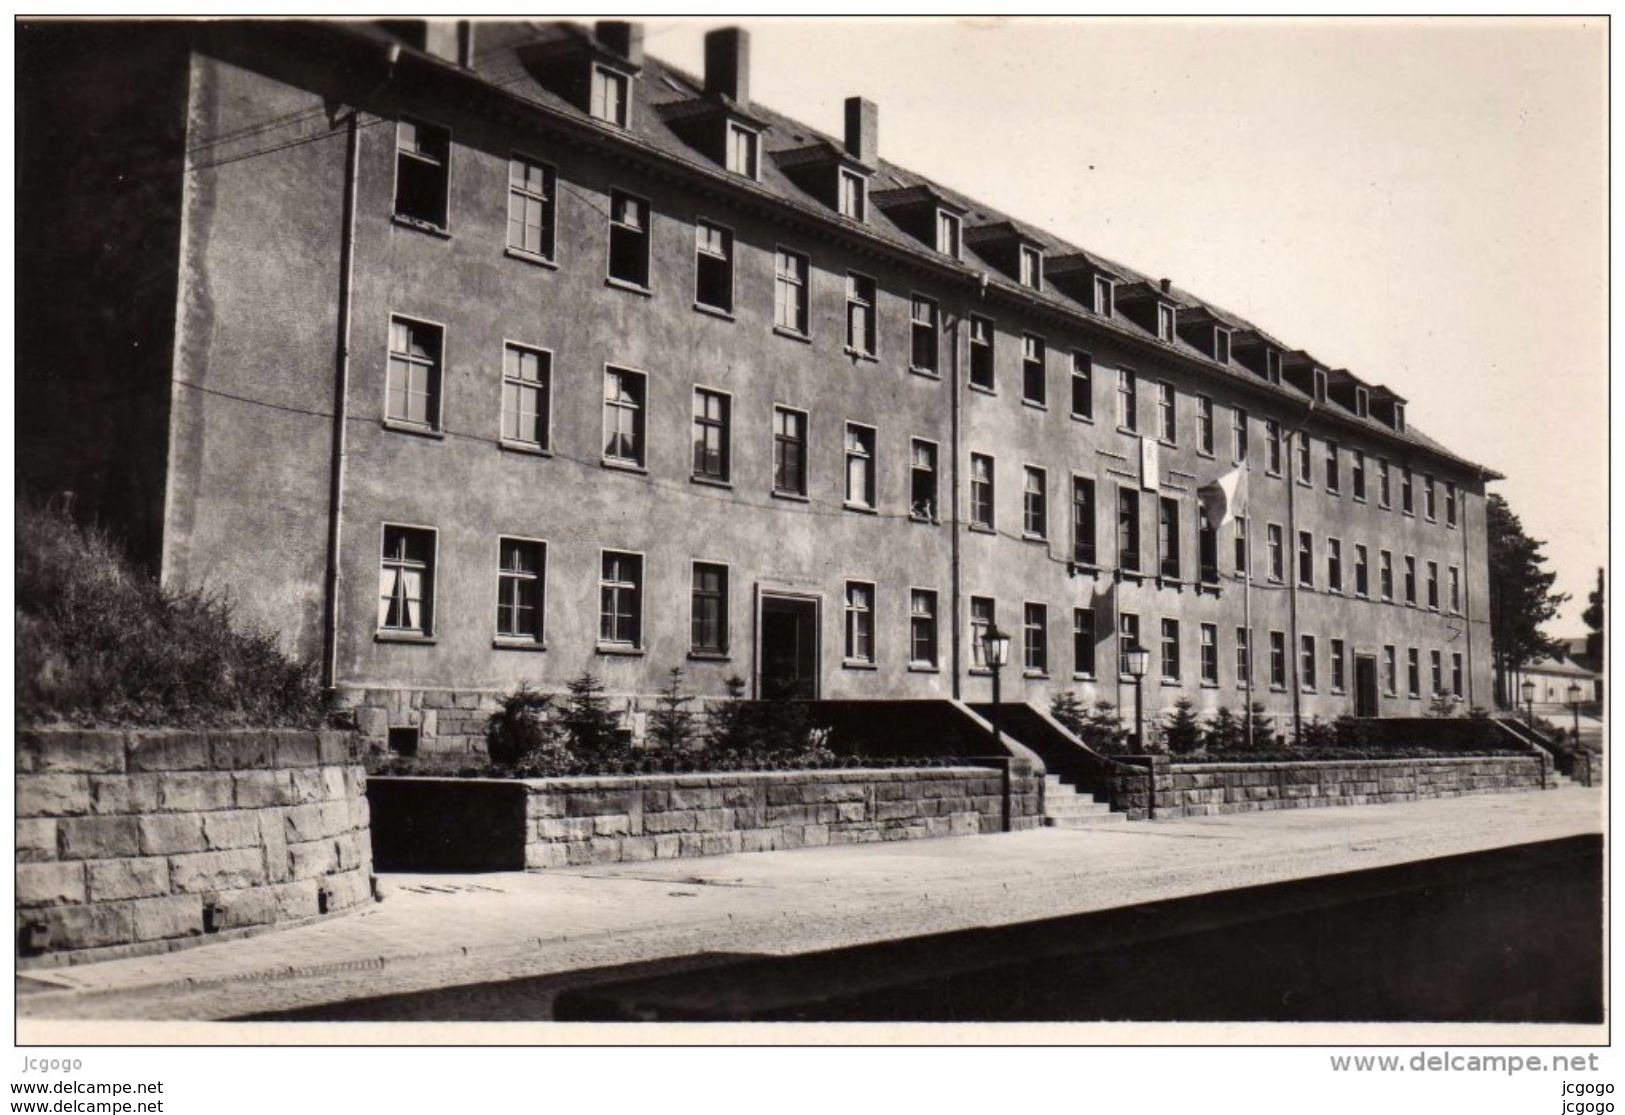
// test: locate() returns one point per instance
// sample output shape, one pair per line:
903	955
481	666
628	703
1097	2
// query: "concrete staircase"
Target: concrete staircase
1065	808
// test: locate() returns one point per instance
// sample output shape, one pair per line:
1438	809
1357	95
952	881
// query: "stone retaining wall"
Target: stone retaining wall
1203	789
138	842
423	824
1587	768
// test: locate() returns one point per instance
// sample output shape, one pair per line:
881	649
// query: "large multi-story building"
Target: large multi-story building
467	355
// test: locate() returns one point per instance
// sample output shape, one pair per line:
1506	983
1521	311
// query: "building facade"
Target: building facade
471	355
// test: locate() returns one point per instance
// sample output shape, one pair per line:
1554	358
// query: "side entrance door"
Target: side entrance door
1365	685
787	648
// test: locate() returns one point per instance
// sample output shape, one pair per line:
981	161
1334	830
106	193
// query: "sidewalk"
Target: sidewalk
446	930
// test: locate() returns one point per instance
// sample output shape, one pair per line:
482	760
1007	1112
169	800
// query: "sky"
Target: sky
1423	202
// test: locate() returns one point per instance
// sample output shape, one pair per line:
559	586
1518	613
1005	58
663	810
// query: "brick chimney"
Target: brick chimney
727	64
625	39
862	129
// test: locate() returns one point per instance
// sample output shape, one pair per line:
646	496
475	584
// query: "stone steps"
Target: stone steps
1065	808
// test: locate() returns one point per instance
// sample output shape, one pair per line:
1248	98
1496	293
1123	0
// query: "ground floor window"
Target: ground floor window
406	581
520	571
710	609
860	621
922	627
620	613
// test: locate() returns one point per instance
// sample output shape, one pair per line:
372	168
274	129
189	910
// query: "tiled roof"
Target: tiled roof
660	84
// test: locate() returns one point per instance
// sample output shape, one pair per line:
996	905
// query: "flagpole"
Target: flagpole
1247	623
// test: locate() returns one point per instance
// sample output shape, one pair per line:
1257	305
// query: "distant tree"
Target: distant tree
671	724
1069	711
1593	616
1521	596
1226	732
1182	731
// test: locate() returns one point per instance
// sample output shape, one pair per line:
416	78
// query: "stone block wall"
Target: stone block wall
142	841
557	822
1588	767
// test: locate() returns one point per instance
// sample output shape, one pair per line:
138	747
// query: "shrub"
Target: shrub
726	721
1443	705
521	730
1226	732
1183	731
1068	711
1351	731
100	641
1102	729
1316	733
671	724
1263	726
593	730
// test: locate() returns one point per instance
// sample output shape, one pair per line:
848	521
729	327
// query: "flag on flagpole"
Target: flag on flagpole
1225	498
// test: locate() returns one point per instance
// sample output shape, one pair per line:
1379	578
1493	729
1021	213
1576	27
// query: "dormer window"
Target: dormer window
947	233
1272	366
609	100
852	195
742	145
1399	417
1032	267
1362	402
1103	296
1320	385
1221	345
1165	322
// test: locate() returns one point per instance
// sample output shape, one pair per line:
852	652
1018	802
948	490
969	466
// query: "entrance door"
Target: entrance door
1365	685
788	648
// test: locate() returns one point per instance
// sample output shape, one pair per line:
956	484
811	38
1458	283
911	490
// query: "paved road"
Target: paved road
447	930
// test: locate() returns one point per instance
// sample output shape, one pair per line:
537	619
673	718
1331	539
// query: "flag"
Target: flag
1225	498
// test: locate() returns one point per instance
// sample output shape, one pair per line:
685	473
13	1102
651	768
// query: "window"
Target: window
1384	487
923	338
1207	550
922	628
922	480
1032	267
1385	574
1455	674
1362	402
1244	656
1320	385
713	266
1429	504
1274	544
981	353
628	239
1128	637
1333	481
1083	386
981	491
422	172
1210	654
1242	548
1272	365
1277	660
1390	672
526	383
947	233
981	618
1103	296
1165	322
1410	579
1436	670
1413	673
1204	425
1455	591
1083	520
1449	503
860	621
1338	657
1170	650
1034	503
789	452
1035	638
1306	559
1128	529
1362	571
609	101
1166	412
1221	345
860	314
406	582
1357	475
860	466
1305	453
1334	565
1306	664
1238	435
1433	585
790	291
1168	537
1407	497
1033	387
709	625
1399	417
1272	447
624	417
531	212
620	600
1083	642
742	143
712	422
414	373
852	195
1127	401
521	568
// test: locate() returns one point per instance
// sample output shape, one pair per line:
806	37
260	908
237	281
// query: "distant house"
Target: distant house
1552	678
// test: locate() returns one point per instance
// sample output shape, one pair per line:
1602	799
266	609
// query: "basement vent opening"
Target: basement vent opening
403	741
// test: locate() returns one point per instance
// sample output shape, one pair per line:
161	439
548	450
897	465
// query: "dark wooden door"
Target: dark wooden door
789	648
1365	686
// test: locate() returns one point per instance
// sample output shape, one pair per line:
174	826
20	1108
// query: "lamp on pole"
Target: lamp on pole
1138	659
996	653
1528	689
1574	706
